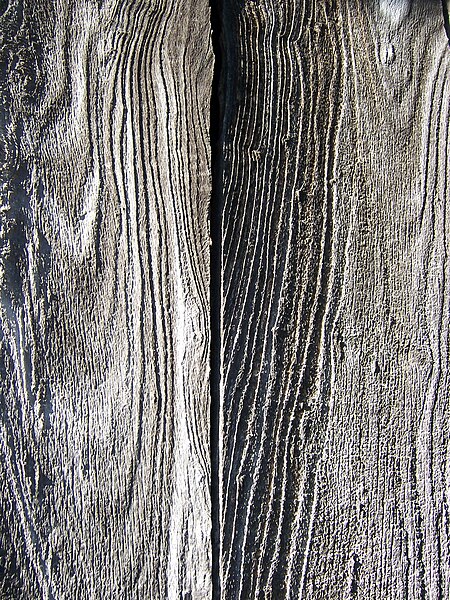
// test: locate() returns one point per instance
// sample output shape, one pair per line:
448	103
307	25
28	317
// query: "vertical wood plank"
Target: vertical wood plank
334	477
104	299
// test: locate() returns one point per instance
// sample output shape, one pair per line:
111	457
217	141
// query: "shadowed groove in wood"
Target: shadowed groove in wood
216	208
445	8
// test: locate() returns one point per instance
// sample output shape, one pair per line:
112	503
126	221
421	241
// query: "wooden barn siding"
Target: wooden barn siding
334	460
104	258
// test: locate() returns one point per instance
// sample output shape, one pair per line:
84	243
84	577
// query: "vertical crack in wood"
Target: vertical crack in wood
215	283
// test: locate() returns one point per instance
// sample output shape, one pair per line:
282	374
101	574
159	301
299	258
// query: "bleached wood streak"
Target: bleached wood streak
104	259
335	414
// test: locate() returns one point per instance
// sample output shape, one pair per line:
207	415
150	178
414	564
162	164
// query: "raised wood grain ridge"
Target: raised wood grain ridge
334	457
104	299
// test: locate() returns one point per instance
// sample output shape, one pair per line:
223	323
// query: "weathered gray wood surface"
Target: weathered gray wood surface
104	259
335	470
332	433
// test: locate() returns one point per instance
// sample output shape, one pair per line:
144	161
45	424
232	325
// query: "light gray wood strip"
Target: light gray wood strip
334	478
104	260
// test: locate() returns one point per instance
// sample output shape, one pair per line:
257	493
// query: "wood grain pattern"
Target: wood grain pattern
104	259
334	478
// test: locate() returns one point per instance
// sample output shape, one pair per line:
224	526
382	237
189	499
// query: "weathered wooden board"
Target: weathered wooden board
334	458
104	259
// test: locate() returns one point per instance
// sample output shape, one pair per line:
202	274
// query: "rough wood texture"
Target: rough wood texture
104	259
335	467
